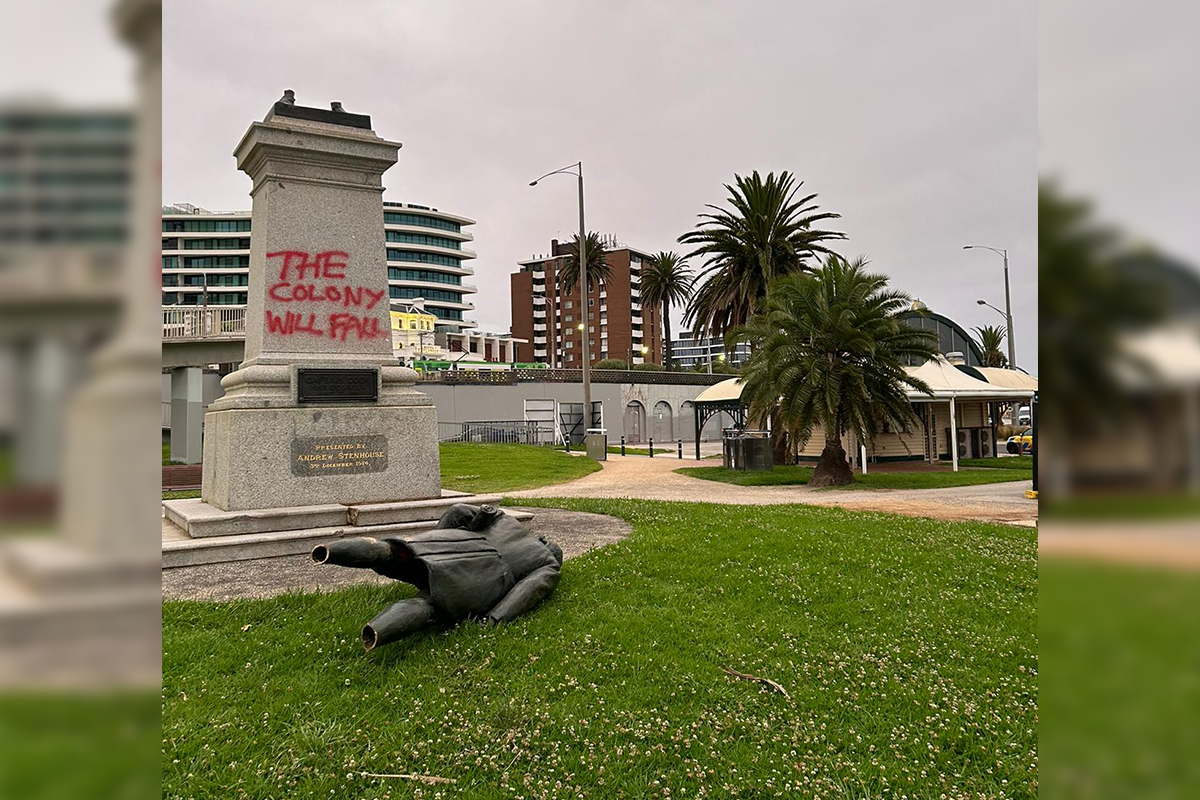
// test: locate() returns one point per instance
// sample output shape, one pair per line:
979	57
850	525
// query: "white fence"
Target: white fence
207	322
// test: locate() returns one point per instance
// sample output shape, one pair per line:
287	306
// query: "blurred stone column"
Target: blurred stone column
84	608
113	467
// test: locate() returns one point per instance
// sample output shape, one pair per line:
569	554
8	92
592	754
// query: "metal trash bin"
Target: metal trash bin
597	443
746	450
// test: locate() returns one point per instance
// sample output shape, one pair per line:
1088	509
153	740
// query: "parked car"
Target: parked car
1024	416
1021	443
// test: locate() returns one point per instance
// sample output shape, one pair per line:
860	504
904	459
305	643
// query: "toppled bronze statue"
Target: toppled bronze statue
479	562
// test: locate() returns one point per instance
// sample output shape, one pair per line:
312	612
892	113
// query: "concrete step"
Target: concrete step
198	519
183	551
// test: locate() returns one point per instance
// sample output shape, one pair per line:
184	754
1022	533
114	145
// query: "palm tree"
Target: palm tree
598	270
991	339
767	232
665	281
829	350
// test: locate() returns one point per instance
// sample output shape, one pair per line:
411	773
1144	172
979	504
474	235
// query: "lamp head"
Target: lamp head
968	247
579	326
533	183
981	302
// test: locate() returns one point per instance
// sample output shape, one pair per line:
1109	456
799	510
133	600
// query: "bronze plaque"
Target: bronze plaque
337	385
339	455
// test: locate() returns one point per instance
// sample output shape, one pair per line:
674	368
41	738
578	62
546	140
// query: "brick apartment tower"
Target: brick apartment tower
548	318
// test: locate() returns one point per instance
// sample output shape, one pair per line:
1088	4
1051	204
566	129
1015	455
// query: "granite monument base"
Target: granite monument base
276	458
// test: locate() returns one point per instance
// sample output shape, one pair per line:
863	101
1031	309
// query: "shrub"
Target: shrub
611	363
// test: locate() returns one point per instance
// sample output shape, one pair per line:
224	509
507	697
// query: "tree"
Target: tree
991	339
598	269
766	232
666	281
829	350
1091	301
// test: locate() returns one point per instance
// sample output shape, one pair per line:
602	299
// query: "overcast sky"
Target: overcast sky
915	121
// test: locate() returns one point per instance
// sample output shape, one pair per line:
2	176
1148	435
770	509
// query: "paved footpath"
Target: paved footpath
647	478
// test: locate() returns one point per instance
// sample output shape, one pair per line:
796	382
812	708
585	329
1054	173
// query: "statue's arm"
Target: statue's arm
528	592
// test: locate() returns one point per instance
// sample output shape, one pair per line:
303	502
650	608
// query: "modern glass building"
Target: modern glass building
688	352
206	259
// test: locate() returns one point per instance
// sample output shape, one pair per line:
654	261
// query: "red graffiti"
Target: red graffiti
348	296
341	326
292	323
329	265
299	274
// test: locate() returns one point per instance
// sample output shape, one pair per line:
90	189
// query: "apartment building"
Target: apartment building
206	259
549	319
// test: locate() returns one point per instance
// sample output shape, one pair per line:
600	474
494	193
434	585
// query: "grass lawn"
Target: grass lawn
490	468
796	475
1003	462
909	650
1119	647
470	467
1123	506
166	456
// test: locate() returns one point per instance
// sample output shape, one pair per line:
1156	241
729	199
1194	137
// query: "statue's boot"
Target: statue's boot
397	621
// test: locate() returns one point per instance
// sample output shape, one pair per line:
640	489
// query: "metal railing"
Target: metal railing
513	376
498	432
205	322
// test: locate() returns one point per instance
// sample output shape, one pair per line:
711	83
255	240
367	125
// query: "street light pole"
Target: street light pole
583	280
1012	345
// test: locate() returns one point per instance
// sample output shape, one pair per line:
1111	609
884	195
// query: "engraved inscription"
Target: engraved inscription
339	455
337	385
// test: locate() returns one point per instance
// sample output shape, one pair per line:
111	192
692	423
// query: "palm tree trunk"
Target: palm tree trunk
832	467
781	442
666	312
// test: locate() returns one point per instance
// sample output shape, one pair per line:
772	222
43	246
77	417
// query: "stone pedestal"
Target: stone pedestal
319	411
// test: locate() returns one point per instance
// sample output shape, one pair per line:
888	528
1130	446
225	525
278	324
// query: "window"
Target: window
169	262
423	275
591	302
420	238
205	225
570	318
569	304
591	328
420	220
570	343
216	262
215	244
412	325
423	258
408	293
